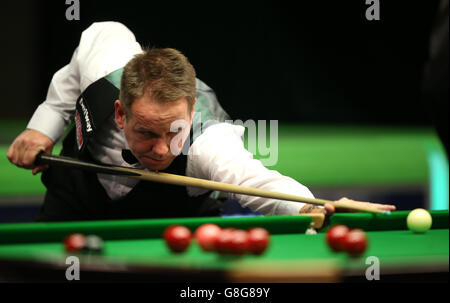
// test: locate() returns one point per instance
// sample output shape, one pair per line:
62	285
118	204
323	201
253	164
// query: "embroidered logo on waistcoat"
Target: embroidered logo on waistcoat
86	116
79	133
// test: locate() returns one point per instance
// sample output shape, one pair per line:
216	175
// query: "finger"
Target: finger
344	199
389	207
343	209
20	152
29	157
330	209
14	153
383	206
10	152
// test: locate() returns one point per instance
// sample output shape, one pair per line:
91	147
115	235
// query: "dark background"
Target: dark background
302	61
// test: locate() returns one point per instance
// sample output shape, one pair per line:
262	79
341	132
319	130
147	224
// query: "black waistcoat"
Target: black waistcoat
74	194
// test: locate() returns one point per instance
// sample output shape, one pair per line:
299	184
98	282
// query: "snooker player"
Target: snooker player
155	88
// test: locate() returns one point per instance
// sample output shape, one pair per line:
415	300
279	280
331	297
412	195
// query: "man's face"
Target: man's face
148	129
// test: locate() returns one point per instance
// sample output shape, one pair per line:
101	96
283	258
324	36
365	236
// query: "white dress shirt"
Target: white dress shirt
218	154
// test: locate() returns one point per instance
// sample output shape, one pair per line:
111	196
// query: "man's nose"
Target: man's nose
160	147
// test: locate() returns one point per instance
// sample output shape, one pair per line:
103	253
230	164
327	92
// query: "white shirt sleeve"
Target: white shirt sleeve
104	47
219	155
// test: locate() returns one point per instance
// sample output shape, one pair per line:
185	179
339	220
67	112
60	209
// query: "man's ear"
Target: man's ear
120	115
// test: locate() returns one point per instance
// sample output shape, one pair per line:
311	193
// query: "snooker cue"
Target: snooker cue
160	177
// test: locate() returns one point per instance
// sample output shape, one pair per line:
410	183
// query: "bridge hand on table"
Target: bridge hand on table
331	209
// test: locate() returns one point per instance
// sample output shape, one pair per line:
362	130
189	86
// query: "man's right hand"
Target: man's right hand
26	146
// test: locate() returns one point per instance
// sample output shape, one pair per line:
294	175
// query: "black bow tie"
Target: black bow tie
129	157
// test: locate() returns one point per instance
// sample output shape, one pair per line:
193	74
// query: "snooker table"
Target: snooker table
135	251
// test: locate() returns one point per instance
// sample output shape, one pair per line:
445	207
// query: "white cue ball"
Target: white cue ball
419	220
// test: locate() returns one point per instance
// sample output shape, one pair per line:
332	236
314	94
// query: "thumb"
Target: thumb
329	208
35	170
39	169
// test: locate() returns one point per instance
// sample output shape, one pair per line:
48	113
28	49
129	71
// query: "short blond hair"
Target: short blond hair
165	73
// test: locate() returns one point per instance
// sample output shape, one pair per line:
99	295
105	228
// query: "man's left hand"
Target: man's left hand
331	209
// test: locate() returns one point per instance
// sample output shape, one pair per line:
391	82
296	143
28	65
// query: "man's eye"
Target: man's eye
147	134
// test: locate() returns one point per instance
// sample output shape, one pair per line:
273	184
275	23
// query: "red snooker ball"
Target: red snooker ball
258	240
177	237
75	242
336	236
223	242
206	236
355	242
239	242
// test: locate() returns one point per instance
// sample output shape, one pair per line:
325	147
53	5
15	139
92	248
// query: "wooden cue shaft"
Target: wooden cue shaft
238	189
42	159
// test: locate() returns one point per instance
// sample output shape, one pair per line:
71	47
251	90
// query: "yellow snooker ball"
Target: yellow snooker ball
419	220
